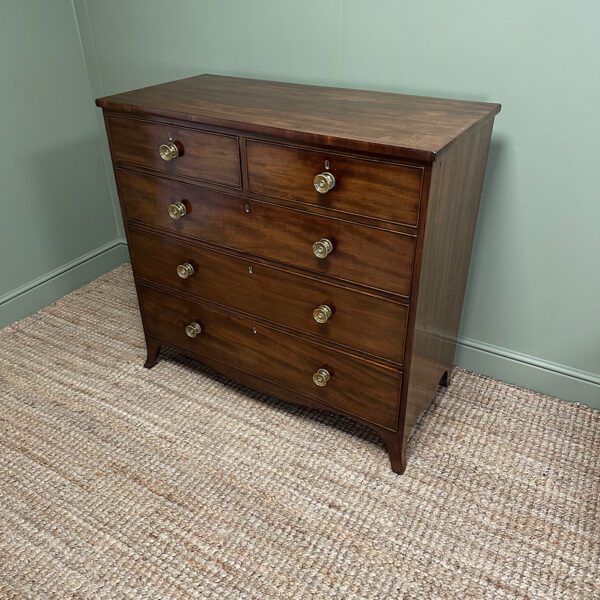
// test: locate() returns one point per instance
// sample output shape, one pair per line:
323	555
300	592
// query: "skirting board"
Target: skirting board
50	287
529	372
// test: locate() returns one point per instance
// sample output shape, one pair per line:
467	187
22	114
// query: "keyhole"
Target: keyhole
327	165
247	208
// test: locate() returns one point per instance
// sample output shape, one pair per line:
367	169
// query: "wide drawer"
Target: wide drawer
205	156
362	388
382	190
374	257
358	320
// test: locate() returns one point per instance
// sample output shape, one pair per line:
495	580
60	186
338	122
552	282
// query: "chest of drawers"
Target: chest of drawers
312	243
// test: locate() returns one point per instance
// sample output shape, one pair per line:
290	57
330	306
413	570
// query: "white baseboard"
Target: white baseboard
45	290
530	372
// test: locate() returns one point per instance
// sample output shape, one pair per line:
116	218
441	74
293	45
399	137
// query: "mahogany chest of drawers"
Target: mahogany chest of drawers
312	243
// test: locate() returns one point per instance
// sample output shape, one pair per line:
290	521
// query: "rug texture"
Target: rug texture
121	482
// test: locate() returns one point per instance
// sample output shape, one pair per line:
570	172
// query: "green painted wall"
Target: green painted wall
532	311
55	213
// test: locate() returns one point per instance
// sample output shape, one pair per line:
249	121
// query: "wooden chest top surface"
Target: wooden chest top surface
411	127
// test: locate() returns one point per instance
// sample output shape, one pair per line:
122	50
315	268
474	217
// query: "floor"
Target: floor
121	482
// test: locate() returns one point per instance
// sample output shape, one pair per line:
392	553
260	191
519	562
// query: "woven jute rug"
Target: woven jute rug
121	482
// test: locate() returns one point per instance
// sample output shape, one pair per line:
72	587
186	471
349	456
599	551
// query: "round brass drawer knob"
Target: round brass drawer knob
185	270
322	313
324	182
322	248
321	377
168	151
177	210
193	329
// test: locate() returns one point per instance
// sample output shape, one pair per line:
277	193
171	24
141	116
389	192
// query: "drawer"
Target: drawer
205	156
358	320
361	388
373	257
382	190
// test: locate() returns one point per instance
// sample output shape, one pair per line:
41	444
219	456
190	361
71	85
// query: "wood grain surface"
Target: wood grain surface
362	388
205	156
360	321
409	126
382	190
373	257
456	183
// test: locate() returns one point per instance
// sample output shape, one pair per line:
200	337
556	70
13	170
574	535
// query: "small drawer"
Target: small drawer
200	155
372	188
335	313
377	258
361	388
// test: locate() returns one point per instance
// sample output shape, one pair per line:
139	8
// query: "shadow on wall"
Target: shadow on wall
487	251
494	189
495	174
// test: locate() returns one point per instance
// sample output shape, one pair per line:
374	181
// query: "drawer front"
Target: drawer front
373	257
206	156
370	188
359	387
357	320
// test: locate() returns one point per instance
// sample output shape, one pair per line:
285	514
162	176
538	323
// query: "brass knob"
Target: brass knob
185	270
322	313
321	377
324	182
322	248
177	210
168	151
193	329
